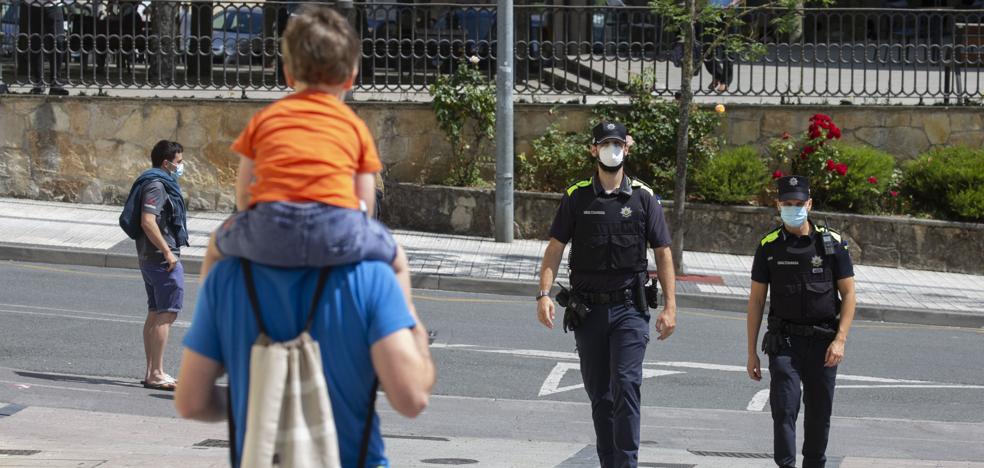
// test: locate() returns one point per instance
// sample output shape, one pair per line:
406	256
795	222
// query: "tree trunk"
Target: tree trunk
686	98
160	53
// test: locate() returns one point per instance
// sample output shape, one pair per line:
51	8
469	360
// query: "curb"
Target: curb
192	265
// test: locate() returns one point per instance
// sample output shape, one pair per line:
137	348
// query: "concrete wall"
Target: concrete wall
874	240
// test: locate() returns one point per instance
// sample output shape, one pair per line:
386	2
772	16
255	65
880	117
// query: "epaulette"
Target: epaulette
638	184
577	185
771	236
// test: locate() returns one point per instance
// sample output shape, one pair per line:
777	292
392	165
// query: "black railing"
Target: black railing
885	55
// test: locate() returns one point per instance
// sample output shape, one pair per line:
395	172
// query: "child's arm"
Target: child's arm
243	182
365	190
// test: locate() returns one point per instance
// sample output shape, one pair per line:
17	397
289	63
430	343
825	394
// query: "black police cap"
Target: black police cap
608	131
794	188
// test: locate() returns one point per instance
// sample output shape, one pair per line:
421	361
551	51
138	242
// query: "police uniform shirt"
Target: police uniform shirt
657	233
770	261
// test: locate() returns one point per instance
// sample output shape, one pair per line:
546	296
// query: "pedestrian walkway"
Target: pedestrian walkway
50	438
90	235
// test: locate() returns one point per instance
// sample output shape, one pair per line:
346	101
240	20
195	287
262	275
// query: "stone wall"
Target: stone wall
89	149
874	240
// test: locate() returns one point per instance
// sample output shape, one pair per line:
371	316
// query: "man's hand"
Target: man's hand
666	322
171	260
545	311
754	367
835	353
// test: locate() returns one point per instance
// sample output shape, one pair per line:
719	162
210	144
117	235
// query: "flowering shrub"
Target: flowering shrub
845	178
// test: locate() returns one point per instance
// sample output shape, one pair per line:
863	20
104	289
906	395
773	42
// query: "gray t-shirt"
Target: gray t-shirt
155	200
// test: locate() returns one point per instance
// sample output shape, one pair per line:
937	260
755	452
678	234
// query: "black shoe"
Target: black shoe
37	90
57	91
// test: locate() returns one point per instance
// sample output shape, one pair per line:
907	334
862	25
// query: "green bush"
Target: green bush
653	122
556	160
464	105
867	181
947	183
736	175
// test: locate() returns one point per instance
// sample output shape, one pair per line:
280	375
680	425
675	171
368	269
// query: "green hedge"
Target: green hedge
556	160
736	175
947	183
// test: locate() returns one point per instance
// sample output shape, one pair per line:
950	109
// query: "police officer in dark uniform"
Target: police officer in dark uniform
808	271
609	219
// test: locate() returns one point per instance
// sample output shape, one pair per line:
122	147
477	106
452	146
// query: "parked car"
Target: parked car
237	36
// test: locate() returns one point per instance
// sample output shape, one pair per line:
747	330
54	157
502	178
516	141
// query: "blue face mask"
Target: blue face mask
179	170
793	216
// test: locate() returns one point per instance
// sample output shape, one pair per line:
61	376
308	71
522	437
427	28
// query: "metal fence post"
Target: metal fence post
504	123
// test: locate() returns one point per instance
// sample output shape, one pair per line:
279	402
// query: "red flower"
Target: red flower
893	193
776	175
818	118
815	132
834	132
830	165
872	180
807	151
785	135
841	169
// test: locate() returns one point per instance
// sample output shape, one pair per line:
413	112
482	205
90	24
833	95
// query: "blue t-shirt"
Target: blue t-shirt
361	304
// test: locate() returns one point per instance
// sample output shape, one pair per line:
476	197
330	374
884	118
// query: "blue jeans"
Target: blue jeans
611	343
295	235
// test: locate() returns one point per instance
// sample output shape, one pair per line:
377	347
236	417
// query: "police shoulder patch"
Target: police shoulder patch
771	236
638	184
577	185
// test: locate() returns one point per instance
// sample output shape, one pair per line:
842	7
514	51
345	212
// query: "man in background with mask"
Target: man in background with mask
809	272
609	219
156	199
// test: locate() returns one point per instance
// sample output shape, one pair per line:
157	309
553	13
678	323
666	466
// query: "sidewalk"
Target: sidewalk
68	233
50	438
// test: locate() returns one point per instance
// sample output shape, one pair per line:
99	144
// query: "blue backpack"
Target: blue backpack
130	218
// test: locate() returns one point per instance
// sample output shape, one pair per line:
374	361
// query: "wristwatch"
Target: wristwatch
542	294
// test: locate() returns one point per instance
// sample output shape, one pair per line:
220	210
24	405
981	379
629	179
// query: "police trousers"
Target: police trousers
800	360
611	343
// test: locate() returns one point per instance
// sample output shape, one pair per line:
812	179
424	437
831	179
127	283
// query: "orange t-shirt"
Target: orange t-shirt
307	146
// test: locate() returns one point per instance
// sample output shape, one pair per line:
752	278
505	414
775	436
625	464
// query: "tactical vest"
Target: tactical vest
802	288
609	233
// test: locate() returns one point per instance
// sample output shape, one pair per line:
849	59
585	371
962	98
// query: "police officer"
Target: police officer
609	219
808	271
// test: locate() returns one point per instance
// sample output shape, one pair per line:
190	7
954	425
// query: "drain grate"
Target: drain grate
449	461
413	437
730	454
217	443
19	452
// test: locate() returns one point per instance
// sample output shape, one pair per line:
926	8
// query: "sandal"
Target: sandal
163	386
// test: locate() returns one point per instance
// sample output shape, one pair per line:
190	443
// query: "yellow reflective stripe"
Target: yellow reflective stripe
770	237
583	183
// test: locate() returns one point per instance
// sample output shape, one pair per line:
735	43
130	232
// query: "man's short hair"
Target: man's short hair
320	46
165	150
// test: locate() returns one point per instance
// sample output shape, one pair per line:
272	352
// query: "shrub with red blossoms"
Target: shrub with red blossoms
841	169
872	180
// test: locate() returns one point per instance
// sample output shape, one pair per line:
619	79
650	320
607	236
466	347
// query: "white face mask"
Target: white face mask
611	155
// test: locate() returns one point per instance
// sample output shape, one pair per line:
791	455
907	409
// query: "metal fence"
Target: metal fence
925	56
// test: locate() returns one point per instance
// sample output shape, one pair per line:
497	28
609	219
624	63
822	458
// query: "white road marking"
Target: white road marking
560	355
177	323
913	386
758	401
25	386
551	384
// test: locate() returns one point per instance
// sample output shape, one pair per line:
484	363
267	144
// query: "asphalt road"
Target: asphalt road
70	338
